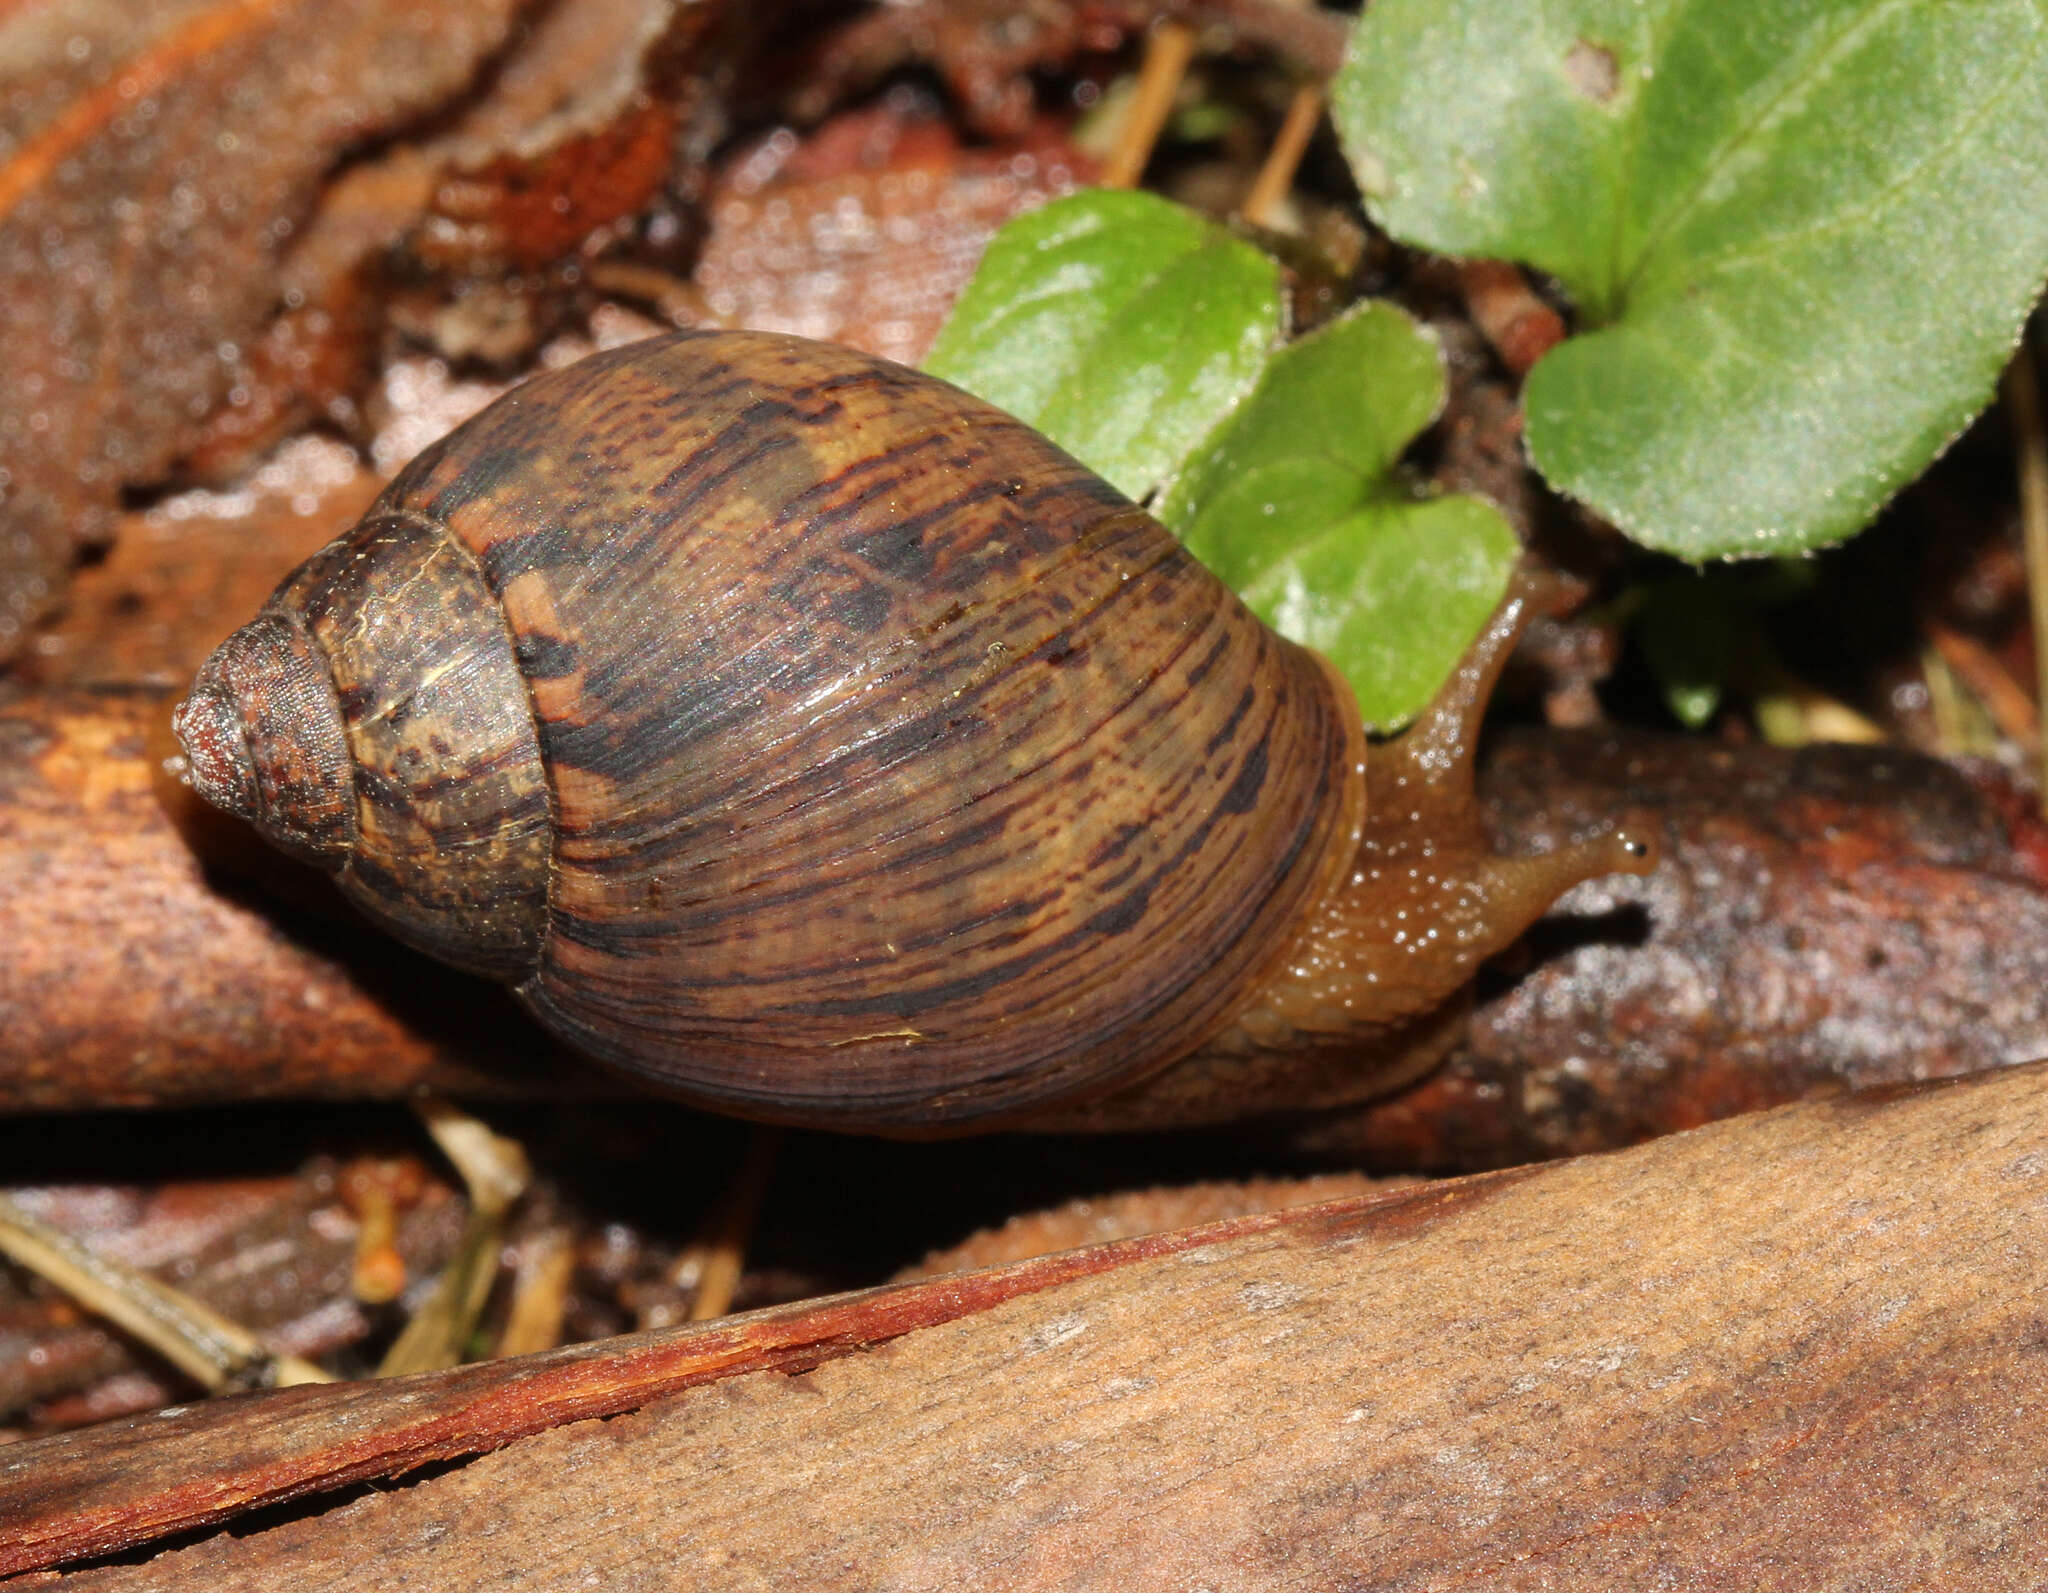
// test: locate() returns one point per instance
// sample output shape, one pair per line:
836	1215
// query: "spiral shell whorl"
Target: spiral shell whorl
373	720
263	740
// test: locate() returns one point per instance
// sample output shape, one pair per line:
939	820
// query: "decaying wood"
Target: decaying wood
1835	917
1826	918
134	976
1800	1350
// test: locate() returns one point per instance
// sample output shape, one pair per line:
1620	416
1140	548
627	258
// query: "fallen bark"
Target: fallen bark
1832	918
1800	1350
134	976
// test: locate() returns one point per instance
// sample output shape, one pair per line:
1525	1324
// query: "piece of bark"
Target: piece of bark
630	1184
134	976
169	151
1800	1350
1744	972
1129	1214
83	1493
1832	917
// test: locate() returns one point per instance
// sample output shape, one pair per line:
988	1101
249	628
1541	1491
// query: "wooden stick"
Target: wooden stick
2030	447
722	1254
1290	143
1168	50
216	1353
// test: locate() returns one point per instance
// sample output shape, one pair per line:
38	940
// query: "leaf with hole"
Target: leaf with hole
1802	235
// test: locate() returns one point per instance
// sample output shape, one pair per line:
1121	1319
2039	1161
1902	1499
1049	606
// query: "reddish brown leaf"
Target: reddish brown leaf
156	163
865	231
530	211
578	129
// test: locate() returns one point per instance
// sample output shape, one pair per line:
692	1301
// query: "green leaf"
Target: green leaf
1294	501
1120	325
1807	232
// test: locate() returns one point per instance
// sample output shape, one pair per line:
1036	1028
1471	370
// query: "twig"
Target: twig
378	1276
674	299
495	1173
218	1354
1276	176
1168	51
723	1250
540	1294
1508	311
2030	444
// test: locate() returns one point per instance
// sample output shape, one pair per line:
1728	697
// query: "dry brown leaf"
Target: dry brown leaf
154	164
864	231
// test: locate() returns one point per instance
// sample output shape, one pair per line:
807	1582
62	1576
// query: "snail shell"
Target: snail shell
800	731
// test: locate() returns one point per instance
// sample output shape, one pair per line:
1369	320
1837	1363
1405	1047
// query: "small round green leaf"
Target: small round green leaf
1120	325
1296	503
1807	232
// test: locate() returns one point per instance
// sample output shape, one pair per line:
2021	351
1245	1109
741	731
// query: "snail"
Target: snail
802	733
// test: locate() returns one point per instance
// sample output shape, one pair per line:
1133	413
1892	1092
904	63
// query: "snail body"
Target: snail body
797	730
